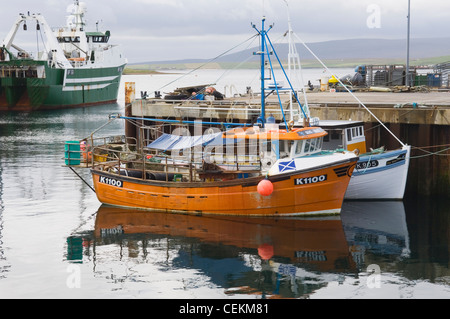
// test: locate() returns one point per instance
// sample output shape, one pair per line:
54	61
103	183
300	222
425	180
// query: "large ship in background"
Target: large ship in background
73	68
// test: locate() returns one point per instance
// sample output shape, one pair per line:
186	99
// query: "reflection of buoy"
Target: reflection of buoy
265	187
265	251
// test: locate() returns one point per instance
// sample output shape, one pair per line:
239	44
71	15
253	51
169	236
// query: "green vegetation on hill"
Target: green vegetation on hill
338	63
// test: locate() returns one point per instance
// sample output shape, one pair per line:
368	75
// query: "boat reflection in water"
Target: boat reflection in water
274	258
376	231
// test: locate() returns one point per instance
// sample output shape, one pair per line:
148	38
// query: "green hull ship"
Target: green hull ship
77	68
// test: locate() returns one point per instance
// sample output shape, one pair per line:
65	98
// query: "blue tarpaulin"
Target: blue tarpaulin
177	142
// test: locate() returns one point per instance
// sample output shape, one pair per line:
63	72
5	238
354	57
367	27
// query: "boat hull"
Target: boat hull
56	88
295	193
380	176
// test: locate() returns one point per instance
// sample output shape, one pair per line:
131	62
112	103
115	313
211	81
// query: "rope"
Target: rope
348	90
287	78
274	78
437	153
220	55
238	65
432	146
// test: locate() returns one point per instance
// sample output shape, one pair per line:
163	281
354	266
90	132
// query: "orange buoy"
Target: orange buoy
265	187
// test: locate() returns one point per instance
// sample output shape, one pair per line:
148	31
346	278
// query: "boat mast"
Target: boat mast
263	93
263	34
407	82
295	68
76	19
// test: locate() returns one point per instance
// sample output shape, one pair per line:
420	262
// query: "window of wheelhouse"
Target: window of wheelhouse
298	147
349	134
69	39
98	39
354	132
285	147
313	145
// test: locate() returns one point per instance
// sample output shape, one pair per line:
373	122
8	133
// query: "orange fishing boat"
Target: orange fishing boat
249	171
293	177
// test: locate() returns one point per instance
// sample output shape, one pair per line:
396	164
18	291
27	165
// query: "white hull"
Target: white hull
385	178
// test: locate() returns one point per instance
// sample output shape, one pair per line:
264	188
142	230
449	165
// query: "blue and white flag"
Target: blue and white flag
286	166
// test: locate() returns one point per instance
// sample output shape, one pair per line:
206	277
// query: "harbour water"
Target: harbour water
58	241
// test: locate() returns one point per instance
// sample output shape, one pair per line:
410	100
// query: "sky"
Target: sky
159	30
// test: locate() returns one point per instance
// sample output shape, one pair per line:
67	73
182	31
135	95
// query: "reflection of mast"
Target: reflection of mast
1	216
1	189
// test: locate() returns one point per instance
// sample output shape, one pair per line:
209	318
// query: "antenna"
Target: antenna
407	44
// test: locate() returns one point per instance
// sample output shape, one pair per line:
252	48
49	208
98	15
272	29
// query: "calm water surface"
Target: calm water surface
58	241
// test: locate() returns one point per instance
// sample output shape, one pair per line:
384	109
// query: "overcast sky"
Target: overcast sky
156	30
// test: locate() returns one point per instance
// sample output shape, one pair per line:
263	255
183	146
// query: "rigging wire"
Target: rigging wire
274	79
287	78
209	61
348	90
190	98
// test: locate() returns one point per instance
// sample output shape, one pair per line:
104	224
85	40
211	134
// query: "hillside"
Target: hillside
337	53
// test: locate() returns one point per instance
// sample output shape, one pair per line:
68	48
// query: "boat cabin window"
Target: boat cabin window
298	148
333	135
98	39
285	147
354	132
313	145
69	39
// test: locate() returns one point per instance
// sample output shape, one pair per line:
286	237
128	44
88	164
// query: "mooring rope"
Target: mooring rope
209	61
428	153
347	89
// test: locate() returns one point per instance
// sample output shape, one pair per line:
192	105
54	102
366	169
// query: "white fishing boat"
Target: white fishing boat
379	173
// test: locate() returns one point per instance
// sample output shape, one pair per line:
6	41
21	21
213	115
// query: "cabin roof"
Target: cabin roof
294	134
339	124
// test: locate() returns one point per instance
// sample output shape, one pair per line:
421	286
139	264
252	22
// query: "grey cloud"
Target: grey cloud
175	29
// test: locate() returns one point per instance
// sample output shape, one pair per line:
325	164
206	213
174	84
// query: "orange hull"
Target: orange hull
295	193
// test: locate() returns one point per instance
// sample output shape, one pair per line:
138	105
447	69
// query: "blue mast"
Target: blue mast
263	34
265	46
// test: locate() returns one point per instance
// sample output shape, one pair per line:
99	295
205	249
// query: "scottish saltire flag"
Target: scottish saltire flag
286	166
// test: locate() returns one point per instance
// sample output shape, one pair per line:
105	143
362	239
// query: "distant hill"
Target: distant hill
349	51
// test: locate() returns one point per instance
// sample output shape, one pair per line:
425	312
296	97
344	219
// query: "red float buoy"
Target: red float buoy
265	187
